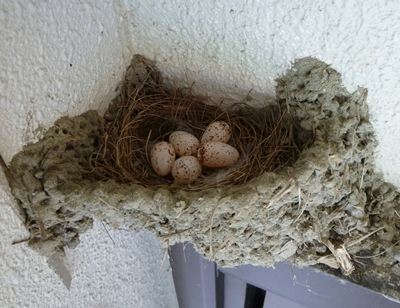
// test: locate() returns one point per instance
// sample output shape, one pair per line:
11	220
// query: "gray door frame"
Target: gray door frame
202	284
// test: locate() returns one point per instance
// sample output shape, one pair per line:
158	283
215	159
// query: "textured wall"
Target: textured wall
62	58
57	58
232	46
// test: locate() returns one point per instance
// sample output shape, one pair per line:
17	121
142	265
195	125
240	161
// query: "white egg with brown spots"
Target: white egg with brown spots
218	131
217	154
162	158
185	144
186	169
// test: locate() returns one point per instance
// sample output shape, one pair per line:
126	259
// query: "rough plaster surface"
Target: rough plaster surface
329	198
57	59
63	58
230	47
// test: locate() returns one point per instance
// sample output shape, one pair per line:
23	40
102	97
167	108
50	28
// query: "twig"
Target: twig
108	232
224	242
299	194
303	208
210	219
6	170
352	145
362	175
42	230
108	204
146	146
20	241
177	232
285	190
363	237
223	200
367	257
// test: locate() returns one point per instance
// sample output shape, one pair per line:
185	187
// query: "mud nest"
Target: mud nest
148	111
329	208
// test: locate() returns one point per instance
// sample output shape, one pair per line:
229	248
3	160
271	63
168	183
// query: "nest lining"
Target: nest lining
148	111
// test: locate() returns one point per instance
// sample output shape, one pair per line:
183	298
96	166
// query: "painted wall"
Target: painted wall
65	57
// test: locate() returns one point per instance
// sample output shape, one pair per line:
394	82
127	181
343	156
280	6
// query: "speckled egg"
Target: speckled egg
186	169
217	154
218	131
162	157
185	144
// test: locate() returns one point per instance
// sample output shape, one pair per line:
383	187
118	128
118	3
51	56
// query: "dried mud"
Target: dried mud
330	194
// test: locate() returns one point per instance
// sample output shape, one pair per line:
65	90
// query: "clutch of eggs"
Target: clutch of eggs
212	152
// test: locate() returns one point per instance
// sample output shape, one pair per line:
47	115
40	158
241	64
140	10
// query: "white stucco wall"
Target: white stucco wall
65	57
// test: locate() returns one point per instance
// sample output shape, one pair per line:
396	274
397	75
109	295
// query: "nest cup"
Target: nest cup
148	111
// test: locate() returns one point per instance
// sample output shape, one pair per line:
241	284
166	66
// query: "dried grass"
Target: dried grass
148	111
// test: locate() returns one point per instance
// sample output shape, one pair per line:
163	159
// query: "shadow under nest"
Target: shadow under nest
148	111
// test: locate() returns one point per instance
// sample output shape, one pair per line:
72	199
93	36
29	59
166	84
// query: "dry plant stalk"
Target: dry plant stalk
147	111
282	192
340	258
222	245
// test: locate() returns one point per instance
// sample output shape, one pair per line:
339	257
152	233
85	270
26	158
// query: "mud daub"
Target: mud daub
319	200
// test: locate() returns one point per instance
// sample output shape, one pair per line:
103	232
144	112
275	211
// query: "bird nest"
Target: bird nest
148	111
